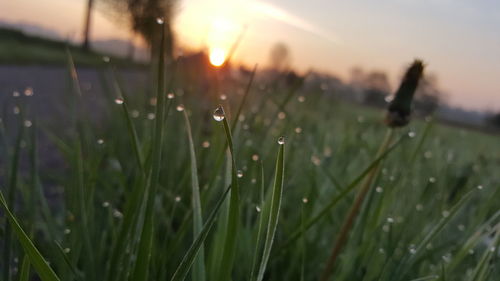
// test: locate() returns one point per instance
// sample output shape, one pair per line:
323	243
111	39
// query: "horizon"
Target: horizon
329	37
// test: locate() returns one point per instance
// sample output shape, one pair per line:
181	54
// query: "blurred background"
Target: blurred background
354	49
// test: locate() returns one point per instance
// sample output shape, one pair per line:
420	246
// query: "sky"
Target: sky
458	39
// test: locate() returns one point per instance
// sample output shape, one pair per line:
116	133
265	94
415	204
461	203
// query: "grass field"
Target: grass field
143	195
22	49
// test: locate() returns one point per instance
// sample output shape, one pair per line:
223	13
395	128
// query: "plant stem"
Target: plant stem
351	216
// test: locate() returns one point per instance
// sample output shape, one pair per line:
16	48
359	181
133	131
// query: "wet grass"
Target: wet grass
143	196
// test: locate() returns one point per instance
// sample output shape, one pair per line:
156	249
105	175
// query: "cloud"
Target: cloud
283	16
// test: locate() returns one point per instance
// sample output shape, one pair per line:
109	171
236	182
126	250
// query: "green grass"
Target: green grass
152	201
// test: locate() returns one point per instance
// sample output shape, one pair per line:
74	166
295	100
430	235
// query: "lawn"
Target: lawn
152	192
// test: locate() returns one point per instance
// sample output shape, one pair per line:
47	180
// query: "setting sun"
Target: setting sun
217	56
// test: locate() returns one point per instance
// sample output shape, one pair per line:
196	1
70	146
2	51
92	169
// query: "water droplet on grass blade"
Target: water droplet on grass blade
445	213
67	231
105	59
170	96
255	157
28	92
281	115
412	134
16	94
223	97
160	20
27	123
379	189
205	144
281	140
219	114
239	173
301	98
180	108
105	204
298	130
67	250
305	200
390	220
257	208
100	141
177	199
119	100
151	116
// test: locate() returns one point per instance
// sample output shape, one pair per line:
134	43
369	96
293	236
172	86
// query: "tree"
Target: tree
428	95
142	17
86	25
279	58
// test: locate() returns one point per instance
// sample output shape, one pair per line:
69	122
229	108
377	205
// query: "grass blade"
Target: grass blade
199	266
140	271
43	269
275	209
188	259
228	253
339	197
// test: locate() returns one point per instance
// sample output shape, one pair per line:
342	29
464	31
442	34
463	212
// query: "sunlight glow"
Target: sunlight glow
217	56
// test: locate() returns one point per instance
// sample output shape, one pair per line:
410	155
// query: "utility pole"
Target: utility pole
86	30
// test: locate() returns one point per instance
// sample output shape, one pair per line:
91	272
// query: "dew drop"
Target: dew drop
255	157
205	144
27	123
180	108
480	187
412	134
281	140
419	207
219	114
432	179
67	231
170	96
253	181
445	213
119	100
105	204
16	94
223	97
461	227
298	130
67	250
305	200
412	249
28	92
471	252
301	98
315	160
100	141
239	174
379	189
257	208
135	113
390	220
177	199
105	59
151	116
281	115
160	20
117	214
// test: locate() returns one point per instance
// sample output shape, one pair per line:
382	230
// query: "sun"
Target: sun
217	56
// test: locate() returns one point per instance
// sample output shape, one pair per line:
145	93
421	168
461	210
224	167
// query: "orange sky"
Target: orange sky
457	40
